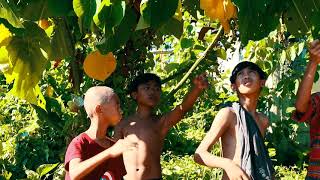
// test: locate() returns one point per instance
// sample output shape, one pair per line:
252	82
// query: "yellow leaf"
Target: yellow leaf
5	34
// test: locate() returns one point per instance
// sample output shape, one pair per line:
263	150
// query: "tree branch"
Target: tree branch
205	53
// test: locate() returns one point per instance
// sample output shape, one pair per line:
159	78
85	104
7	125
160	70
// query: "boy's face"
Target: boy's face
148	94
111	111
248	82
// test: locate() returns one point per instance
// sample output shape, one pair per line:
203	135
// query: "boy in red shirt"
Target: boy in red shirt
308	110
92	155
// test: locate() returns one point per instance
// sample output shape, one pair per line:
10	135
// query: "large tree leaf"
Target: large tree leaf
110	14
40	9
60	41
157	12
172	27
120	35
26	58
258	18
316	25
85	11
299	16
7	14
5	35
46	168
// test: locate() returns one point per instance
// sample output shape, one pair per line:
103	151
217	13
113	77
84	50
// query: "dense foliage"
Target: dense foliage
43	45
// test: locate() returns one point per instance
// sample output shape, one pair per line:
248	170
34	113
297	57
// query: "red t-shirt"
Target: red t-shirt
84	147
312	117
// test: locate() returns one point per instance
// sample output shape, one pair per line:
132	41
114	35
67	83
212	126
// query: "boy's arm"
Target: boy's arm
304	91
173	117
265	123
203	156
79	169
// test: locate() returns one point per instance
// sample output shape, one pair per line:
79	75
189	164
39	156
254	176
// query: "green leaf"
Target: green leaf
172	27
85	10
25	58
32	175
60	41
258	18
109	14
142	24
272	152
171	67
193	6
290	109
157	12
7	14
120	35
298	19
186	43
46	168
222	53
316	25
40	9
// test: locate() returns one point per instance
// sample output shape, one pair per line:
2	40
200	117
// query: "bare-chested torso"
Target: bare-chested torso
144	163
230	143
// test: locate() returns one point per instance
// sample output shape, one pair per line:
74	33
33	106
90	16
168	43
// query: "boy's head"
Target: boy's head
146	89
247	78
102	104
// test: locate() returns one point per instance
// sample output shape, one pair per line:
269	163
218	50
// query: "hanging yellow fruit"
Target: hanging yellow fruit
98	66
222	10
44	23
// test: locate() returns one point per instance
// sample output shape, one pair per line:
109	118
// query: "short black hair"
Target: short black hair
247	64
142	79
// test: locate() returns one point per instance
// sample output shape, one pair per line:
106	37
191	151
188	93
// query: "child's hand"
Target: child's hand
235	172
314	51
201	81
121	146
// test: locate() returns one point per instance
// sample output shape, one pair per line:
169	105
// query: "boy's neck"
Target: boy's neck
97	130
249	102
144	111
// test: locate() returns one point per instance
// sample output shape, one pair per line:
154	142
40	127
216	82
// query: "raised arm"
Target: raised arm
203	156
172	118
304	91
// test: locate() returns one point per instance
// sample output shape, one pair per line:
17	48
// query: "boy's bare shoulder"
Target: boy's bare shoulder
264	118
226	113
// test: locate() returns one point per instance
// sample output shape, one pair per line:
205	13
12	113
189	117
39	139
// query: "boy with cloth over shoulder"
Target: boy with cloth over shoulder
241	129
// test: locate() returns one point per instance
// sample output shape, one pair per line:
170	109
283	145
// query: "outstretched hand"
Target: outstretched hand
314	51
201	81
121	146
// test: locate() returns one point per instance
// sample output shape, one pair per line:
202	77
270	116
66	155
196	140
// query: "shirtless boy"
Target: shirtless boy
92	155
241	129
149	130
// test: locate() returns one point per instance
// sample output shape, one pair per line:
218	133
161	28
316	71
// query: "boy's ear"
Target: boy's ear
234	87
98	109
134	95
262	83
